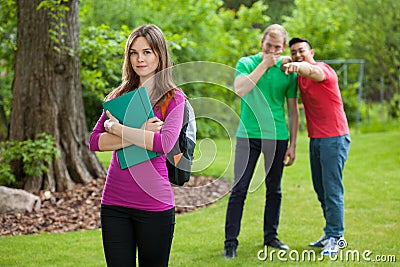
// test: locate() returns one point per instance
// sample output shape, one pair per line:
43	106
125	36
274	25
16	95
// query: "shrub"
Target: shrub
394	107
34	154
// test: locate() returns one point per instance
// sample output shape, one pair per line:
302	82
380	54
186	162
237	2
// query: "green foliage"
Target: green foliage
379	126
376	118
327	24
378	39
101	54
113	13
34	154
350	102
208	129
8	29
276	8
193	28
394	107
8	42
56	10
238	33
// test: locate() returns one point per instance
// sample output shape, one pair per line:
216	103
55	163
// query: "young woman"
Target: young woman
137	207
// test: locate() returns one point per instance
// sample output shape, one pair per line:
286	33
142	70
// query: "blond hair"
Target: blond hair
275	31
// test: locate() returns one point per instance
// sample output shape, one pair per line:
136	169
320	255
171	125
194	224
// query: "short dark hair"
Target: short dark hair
296	40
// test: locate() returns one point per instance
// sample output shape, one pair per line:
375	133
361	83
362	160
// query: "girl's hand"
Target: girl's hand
153	124
108	124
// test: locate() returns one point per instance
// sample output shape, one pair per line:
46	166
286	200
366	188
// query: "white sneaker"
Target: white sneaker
320	243
331	248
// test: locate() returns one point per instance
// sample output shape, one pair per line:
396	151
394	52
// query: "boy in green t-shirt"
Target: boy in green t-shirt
263	87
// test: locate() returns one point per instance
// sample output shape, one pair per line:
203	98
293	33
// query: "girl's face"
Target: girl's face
143	59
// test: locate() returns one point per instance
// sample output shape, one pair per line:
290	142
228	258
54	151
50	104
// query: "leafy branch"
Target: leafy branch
36	155
56	9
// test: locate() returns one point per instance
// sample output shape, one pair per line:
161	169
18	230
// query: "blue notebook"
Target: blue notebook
132	109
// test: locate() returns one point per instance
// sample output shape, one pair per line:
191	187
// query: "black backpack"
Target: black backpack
180	158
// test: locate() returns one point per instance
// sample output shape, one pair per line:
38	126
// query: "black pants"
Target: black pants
124	230
246	155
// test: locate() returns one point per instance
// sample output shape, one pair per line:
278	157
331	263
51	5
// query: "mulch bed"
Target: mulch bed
79	209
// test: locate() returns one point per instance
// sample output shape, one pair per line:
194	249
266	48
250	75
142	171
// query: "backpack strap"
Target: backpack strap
165	106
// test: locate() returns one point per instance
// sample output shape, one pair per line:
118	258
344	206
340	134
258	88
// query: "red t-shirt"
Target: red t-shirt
323	105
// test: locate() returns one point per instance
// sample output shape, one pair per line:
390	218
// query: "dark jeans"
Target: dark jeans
124	230
247	153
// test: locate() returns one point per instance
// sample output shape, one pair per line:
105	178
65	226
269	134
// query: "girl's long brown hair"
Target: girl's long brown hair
163	82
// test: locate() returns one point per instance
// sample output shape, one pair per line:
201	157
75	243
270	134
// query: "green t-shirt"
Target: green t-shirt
262	111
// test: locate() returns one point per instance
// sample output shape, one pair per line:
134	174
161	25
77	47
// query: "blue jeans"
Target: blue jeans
327	159
246	156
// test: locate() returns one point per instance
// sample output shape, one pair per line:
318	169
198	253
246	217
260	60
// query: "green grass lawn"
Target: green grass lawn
372	215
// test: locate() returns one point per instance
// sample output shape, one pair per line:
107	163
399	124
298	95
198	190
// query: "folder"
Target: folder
132	109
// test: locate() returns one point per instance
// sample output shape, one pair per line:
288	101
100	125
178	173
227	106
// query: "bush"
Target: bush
376	118
350	102
394	107
35	155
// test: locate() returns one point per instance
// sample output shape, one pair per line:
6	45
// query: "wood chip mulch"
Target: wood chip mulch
79	209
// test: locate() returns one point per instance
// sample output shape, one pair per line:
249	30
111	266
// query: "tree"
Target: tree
8	30
47	93
330	32
378	39
276	8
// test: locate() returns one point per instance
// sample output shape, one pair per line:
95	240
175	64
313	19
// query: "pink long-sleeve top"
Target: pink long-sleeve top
144	186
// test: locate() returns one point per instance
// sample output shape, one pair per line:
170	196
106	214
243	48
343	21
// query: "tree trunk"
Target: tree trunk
3	122
47	97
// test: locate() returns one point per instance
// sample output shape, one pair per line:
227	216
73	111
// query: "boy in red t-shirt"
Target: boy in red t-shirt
329	138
